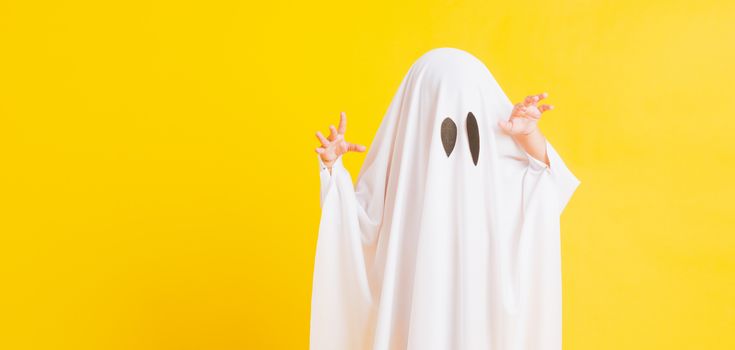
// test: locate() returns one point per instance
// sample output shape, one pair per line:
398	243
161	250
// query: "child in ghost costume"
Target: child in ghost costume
449	239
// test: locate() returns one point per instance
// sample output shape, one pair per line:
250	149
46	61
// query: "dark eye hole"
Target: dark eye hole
473	135
449	135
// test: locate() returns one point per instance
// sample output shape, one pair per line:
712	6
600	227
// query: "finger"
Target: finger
533	99
530	100
545	108
540	96
356	148
320	150
342	123
332	133
518	109
322	139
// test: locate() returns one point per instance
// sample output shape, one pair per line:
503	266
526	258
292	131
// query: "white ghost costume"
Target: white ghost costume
437	245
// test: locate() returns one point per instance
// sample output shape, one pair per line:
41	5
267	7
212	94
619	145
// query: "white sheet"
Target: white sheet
429	251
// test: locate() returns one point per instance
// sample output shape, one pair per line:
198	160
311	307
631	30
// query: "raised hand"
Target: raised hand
525	116
335	145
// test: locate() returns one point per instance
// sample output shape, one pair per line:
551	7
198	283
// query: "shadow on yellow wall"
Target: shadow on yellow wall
159	188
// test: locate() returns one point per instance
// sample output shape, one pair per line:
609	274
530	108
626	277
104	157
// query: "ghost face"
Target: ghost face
449	136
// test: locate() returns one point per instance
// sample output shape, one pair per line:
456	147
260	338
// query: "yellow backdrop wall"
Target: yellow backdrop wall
159	188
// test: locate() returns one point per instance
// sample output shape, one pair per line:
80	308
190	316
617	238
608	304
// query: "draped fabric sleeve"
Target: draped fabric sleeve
342	300
368	192
563	181
325	177
546	190
347	276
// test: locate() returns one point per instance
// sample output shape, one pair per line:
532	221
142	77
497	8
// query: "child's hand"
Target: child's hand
525	116
336	145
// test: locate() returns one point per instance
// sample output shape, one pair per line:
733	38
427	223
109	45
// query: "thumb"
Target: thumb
356	148
506	126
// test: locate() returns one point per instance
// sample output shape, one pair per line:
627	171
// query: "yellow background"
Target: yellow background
159	188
